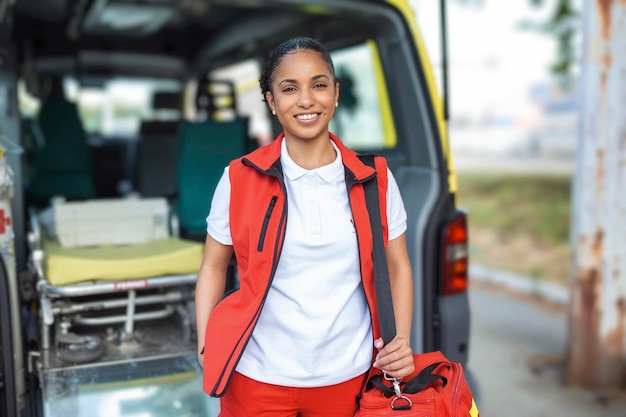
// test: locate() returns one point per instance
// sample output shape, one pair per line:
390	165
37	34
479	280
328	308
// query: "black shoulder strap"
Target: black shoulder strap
386	316
425	378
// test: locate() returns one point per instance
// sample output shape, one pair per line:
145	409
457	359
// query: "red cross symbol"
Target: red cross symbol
4	221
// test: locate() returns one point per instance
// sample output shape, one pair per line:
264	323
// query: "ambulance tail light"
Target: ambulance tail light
455	255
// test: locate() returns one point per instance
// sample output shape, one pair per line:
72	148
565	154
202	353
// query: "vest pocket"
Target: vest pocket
266	222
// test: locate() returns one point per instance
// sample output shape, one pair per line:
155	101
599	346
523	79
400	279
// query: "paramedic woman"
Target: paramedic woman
297	337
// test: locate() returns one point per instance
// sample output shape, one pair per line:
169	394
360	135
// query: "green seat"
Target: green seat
63	166
204	149
70	185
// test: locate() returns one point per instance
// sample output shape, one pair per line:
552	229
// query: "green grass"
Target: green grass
533	204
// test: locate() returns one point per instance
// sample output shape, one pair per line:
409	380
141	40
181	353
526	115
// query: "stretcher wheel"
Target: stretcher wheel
79	349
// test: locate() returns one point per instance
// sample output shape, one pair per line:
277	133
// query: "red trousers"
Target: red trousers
246	397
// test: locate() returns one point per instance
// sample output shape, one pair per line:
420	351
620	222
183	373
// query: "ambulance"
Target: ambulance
117	118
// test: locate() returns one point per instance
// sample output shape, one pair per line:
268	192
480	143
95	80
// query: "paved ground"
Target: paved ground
511	336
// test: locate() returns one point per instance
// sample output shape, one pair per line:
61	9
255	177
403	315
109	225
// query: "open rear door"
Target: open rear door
12	381
8	403
8	380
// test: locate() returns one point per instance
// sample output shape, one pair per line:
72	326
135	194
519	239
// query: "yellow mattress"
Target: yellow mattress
160	257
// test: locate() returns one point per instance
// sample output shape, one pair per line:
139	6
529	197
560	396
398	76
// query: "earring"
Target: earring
274	112
337	104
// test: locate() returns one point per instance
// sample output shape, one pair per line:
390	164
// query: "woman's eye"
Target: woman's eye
288	89
319	85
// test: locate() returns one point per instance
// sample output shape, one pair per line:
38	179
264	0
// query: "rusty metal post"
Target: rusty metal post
597	349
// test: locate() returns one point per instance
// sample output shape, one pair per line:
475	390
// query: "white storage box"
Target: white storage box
107	222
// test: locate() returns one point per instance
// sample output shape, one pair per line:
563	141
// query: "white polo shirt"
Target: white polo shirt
315	327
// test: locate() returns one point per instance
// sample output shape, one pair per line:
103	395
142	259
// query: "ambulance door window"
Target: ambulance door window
363	119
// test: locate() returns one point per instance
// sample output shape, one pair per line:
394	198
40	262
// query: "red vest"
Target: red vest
258	219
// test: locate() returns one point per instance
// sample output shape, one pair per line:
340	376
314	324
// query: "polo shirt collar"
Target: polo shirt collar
327	172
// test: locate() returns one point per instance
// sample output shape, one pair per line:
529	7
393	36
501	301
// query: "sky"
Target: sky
492	63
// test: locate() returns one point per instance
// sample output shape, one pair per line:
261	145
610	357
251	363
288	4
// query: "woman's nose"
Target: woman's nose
305	99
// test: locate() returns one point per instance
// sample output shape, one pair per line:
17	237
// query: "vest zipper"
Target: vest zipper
266	221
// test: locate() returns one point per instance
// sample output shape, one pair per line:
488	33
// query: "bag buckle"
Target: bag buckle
396	384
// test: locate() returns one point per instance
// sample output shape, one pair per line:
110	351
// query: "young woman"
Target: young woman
299	335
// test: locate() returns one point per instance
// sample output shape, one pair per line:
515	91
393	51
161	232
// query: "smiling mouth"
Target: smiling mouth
309	116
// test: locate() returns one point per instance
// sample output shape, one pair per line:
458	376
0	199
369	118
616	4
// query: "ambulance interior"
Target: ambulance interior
115	240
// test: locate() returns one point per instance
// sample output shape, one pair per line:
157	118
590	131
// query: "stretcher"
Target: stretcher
83	290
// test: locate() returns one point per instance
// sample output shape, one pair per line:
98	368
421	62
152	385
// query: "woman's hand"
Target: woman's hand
396	358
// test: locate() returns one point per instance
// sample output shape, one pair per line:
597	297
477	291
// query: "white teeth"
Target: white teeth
306	116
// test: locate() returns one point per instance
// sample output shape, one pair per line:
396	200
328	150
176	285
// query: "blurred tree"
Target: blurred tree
348	101
563	25
347	98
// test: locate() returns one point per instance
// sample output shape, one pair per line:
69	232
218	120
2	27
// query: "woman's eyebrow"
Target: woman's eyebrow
314	78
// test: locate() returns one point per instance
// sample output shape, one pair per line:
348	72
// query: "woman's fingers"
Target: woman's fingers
378	343
396	358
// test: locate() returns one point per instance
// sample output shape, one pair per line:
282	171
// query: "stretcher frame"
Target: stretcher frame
56	306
